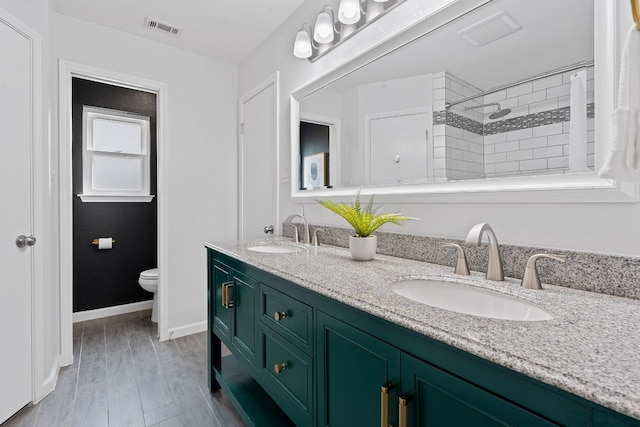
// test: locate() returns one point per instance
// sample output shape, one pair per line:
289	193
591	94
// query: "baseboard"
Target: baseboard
99	313
182	331
50	382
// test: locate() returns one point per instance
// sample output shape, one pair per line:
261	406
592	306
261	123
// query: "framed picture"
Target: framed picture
315	171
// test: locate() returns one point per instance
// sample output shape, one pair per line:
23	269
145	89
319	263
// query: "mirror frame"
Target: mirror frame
579	187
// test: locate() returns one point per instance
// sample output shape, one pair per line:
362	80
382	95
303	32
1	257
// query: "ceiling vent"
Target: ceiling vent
162	27
490	29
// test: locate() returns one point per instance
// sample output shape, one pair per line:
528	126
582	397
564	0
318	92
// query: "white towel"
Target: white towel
578	123
623	163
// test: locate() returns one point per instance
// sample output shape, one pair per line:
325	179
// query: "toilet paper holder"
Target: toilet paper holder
95	241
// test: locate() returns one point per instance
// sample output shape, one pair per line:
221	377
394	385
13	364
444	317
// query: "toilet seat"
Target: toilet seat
149	279
150	274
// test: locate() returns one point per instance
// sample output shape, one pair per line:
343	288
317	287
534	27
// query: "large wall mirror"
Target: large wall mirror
499	95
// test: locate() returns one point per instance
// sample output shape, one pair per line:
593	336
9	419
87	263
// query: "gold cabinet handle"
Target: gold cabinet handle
279	367
384	403
279	315
403	402
226	300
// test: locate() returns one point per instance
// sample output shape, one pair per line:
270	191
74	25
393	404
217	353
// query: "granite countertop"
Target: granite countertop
590	348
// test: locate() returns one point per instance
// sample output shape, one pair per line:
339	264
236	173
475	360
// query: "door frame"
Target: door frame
66	71
273	80
41	170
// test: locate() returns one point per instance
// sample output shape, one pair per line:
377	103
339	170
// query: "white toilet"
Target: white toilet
149	282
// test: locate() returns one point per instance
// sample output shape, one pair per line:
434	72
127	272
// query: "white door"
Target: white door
258	162
16	140
401	148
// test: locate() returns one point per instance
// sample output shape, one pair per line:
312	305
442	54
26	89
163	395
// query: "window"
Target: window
115	156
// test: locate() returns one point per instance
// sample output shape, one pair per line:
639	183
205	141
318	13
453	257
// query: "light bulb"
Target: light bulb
349	11
302	45
323	30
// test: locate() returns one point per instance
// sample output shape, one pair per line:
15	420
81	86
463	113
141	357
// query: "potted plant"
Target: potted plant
363	244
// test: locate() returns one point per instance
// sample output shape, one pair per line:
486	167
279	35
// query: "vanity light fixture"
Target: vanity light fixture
303	46
350	20
324	30
349	12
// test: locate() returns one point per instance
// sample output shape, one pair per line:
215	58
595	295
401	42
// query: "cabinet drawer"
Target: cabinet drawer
288	373
287	316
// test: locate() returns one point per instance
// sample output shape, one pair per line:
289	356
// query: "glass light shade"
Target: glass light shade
323	30
302	45
349	11
374	8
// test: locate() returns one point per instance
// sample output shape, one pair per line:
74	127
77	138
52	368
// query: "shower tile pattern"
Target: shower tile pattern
123	376
533	140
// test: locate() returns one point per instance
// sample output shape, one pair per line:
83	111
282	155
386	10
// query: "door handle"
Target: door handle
268	229
226	300
384	403
22	241
403	402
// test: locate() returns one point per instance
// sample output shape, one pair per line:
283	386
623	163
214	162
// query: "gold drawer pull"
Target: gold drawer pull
384	403
279	367
279	315
403	402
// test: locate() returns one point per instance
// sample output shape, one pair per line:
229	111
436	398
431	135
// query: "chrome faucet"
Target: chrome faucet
474	238
289	220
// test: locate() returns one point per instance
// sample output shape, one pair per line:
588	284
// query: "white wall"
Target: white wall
201	126
605	228
36	15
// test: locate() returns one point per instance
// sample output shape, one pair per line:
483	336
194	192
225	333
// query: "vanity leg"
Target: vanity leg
214	358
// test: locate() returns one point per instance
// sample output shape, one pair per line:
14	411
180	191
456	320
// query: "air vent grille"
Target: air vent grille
490	29
163	27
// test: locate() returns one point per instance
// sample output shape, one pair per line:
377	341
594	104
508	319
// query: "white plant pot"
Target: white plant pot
363	248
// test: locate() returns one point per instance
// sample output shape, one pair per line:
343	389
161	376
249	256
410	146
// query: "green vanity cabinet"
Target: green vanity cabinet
352	369
433	397
363	381
301	358
287	359
235	308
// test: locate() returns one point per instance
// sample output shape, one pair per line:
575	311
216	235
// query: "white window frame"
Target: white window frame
90	194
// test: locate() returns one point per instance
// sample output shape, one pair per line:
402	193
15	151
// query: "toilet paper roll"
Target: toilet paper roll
105	243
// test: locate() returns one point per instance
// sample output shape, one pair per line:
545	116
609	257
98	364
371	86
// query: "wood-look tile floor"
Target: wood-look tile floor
123	376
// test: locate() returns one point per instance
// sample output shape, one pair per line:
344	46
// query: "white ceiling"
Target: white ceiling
553	34
226	30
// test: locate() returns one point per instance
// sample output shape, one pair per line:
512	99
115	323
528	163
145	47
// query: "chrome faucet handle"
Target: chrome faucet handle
531	279
296	236
315	236
462	268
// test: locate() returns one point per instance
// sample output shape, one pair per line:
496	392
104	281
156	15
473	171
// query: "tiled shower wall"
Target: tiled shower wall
533	139
458	149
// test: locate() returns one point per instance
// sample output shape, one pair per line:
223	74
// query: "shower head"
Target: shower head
499	113
496	114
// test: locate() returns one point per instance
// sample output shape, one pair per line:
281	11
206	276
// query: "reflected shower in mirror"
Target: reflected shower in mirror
505	90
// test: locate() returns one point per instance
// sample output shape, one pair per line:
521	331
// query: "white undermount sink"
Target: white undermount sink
469	299
275	248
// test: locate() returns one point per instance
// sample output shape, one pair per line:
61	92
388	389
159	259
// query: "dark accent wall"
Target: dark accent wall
314	138
105	278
